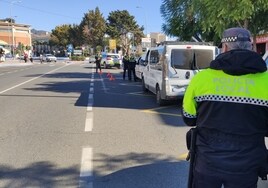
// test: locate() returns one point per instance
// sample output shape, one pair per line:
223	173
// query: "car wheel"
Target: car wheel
144	89
159	100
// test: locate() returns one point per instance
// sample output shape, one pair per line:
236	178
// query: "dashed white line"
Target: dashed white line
89	122
86	168
86	175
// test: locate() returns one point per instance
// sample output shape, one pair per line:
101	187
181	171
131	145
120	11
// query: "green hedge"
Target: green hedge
78	58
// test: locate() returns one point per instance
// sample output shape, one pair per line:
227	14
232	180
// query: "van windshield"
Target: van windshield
191	58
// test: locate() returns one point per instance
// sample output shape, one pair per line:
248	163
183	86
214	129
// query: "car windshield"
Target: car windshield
191	58
113	56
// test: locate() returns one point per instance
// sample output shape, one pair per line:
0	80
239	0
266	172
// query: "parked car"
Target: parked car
49	58
109	60
91	59
140	66
8	55
265	58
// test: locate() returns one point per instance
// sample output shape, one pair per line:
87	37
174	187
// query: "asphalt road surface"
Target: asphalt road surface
63	125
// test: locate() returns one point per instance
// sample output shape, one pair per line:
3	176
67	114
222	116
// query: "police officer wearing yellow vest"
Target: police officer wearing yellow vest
126	65
228	104
131	70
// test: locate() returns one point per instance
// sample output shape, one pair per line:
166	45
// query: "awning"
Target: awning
3	42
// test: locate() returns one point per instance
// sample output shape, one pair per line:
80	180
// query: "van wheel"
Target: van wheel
144	89
159	101
104	65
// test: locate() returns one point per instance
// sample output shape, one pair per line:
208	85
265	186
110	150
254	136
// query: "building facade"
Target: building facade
14	34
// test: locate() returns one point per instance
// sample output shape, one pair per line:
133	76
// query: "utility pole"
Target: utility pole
12	25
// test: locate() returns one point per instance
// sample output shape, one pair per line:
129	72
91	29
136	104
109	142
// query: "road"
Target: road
63	125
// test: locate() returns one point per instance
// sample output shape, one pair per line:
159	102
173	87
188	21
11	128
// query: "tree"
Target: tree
10	20
209	17
93	28
183	21
60	36
76	35
119	25
219	15
179	17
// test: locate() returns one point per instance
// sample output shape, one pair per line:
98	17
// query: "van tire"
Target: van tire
144	89
159	101
104	65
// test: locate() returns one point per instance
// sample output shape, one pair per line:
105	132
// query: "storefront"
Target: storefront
262	43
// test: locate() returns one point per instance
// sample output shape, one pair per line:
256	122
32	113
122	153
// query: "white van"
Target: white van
171	65
140	66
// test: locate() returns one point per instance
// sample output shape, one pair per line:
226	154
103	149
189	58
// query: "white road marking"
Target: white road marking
89	122
89	108
86	162
1	92
90	96
86	168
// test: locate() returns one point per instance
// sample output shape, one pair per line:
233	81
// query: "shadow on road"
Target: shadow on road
40	174
157	171
118	93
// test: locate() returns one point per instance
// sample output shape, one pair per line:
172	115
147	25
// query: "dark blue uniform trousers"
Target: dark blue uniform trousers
216	180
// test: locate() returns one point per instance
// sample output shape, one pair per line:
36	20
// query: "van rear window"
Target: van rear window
191	58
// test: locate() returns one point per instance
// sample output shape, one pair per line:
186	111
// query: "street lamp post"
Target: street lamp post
145	15
12	25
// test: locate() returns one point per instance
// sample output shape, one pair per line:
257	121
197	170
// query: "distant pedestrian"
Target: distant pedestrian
131	69
41	58
126	65
31	58
25	57
98	62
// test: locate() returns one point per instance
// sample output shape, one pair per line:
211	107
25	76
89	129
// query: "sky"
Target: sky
47	14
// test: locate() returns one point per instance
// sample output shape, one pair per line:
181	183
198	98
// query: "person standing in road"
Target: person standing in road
25	57
98	62
41	58
131	70
126	65
228	104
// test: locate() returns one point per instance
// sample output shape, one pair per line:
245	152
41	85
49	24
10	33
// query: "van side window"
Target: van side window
191	58
154	57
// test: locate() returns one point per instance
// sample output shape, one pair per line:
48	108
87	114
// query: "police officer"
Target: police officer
228	104
126	65
98	62
132	65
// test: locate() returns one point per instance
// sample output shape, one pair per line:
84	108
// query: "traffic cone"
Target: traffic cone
111	78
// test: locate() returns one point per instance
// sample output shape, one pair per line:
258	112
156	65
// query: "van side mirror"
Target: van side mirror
145	62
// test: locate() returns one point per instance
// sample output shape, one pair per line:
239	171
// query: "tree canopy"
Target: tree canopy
93	28
209	18
120	24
